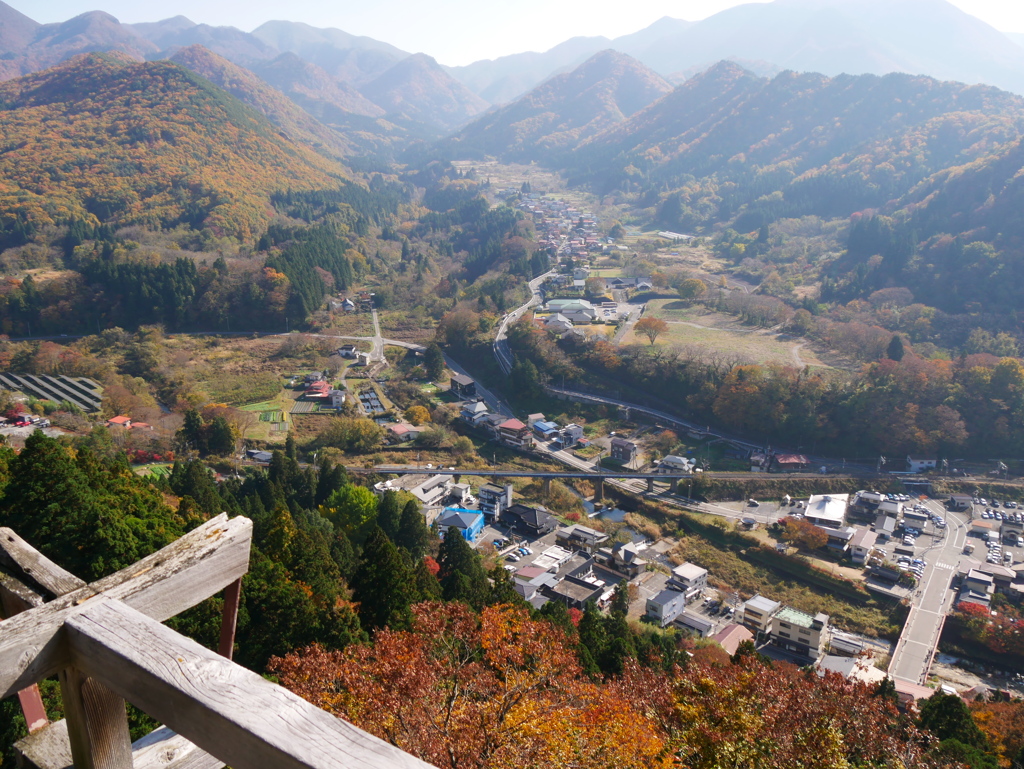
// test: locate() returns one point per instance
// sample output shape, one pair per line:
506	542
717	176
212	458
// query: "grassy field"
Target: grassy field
692	326
274	420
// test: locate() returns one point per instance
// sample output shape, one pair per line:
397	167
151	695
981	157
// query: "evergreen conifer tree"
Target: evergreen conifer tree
462	576
413	534
384	585
389	514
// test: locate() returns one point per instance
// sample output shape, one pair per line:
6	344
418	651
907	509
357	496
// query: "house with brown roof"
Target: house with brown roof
731	636
514	433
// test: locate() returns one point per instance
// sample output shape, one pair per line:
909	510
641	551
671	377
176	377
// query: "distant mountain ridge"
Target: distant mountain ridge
728	143
555	116
417	88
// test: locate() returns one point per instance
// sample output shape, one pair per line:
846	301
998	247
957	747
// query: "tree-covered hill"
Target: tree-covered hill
103	138
727	141
555	116
297	124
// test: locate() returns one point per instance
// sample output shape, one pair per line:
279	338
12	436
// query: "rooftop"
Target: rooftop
731	636
689	571
761	604
799	618
666	597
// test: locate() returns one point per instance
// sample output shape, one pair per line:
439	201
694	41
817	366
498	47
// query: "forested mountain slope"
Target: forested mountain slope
296	123
730	142
104	138
417	88
556	116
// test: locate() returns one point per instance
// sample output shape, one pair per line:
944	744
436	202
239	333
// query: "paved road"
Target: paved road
501	351
912	657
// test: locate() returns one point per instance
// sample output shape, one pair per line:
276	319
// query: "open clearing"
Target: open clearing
695	327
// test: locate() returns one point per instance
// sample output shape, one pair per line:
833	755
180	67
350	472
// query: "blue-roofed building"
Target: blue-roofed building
469	522
545	430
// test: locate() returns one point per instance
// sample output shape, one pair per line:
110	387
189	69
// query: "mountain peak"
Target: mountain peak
16	29
420	89
604	90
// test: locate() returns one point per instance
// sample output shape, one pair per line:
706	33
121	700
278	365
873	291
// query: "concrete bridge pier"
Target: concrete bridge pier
674	486
546	486
599	489
650	485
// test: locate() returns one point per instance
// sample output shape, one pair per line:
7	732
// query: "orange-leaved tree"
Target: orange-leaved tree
460	690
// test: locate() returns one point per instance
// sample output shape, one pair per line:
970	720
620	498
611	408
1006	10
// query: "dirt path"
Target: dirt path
795	351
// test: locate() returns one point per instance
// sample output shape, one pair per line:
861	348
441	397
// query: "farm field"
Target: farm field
272	422
692	326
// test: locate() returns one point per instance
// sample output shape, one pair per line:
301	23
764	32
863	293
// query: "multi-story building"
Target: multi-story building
494	499
623	451
689	578
757	613
514	433
798	632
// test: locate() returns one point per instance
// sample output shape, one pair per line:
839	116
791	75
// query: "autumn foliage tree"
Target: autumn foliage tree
458	690
651	328
803	533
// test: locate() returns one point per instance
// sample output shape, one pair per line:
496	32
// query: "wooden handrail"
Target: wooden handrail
107	642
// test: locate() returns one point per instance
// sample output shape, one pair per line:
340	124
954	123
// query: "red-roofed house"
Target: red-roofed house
731	636
121	421
512	432
318	390
403	432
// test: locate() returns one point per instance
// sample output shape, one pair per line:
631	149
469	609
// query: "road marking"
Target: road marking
945	566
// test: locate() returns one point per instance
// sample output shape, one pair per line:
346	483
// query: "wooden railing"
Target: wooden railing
105	642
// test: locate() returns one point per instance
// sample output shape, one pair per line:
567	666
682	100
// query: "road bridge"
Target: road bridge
598	476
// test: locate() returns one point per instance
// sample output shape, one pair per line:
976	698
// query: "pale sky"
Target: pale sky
452	31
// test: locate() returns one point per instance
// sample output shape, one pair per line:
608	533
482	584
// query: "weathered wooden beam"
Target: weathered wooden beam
23	559
161	585
229	619
16	597
228	711
160	749
97	723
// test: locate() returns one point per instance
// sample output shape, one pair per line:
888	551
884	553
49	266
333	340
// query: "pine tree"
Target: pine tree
433	360
389	514
413	534
220	439
383	586
503	589
462	576
895	350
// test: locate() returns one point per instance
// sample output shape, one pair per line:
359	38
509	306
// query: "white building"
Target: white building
827	510
666	606
690	578
757	613
672	464
920	464
431	490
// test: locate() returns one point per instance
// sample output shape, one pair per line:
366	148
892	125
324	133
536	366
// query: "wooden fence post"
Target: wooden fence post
97	723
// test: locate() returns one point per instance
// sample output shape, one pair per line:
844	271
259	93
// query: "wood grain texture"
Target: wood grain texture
161	585
49	748
19	556
228	711
97	723
163	749
160	749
